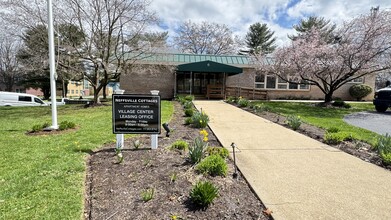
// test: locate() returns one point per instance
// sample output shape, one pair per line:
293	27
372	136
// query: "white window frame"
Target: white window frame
278	84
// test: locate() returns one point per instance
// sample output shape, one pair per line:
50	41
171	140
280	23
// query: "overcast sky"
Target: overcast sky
279	15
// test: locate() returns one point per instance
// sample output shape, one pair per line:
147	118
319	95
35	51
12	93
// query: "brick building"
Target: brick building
216	76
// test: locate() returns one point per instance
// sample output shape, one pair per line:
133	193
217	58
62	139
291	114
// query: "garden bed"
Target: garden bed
113	190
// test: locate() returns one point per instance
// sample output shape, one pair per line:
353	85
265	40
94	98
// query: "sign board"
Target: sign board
136	114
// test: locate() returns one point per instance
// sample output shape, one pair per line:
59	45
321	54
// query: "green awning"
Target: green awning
209	67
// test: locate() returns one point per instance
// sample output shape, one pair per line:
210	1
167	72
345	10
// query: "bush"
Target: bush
213	165
189	98
293	121
359	91
340	103
221	151
181	99
180	145
242	102
231	99
384	148
66	125
36	128
197	150
200	119
338	137
203	193
189	112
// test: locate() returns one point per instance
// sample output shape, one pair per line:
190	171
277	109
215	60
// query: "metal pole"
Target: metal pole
52	66
235	175
120	137
154	137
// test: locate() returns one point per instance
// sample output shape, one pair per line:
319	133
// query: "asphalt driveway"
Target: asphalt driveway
371	120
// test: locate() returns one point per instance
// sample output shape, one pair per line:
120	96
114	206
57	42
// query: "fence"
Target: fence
248	93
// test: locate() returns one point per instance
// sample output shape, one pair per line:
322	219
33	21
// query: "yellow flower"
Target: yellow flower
205	139
204	132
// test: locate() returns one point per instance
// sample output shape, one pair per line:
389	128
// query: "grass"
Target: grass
325	118
42	177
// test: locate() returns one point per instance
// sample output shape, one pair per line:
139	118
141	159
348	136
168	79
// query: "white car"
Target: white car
20	99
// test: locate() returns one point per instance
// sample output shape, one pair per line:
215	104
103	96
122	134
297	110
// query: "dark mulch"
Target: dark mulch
113	191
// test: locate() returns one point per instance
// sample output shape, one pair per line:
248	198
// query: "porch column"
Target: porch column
191	82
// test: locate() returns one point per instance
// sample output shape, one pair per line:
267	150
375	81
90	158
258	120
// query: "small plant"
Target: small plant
66	125
293	121
213	165
197	150
180	145
175	217
200	119
173	177
147	194
189	98
189	121
181	99
338	137
137	144
221	151
40	127
242	102
188	105
231	99
189	112
120	157
340	103
203	193
261	108
384	148
333	130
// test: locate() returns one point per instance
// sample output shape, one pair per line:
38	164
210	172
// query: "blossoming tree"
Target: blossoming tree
361	46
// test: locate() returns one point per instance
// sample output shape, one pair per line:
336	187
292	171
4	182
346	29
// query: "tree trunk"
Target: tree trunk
104	92
328	97
96	96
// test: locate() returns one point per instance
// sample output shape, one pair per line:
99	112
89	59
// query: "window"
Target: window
38	101
77	91
25	98
273	82
72	91
358	80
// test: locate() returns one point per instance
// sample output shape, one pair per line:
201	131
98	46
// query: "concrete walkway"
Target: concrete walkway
296	176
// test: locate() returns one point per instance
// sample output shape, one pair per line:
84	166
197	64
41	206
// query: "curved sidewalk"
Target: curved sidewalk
298	177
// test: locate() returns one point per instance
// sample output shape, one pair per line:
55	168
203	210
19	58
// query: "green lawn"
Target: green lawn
325	117
42	177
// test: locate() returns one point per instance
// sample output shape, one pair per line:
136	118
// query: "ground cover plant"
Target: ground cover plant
42	176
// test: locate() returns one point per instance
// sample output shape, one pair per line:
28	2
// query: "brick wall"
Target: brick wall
143	79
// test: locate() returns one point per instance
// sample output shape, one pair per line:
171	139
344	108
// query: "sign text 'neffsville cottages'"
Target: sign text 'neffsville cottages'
136	114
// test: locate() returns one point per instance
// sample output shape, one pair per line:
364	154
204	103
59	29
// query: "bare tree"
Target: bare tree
9	66
113	36
205	38
362	46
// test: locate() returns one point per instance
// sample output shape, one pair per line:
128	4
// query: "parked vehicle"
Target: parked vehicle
20	99
382	99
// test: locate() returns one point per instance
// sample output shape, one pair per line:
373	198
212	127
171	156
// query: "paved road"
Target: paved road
373	121
296	176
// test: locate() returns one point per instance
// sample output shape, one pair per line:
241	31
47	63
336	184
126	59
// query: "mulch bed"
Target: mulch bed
113	190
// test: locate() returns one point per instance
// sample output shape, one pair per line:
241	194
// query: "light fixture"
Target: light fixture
235	175
167	129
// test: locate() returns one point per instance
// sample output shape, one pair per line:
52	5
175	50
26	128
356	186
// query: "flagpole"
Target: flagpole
52	66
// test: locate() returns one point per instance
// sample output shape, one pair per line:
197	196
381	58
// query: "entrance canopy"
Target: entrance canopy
209	67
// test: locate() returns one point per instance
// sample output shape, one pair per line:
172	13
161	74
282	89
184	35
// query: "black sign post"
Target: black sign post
136	114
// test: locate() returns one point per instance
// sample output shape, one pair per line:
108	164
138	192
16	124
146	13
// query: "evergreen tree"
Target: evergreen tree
260	39
322	25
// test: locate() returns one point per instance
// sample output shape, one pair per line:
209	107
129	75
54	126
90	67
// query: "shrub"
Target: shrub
242	102
197	150
180	145
203	193
340	103
221	151
261	108
187	105
189	98
36	128
293	121
333	130
188	121
338	137
147	194
66	125
189	112
384	148
359	91
181	99
213	165
200	119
